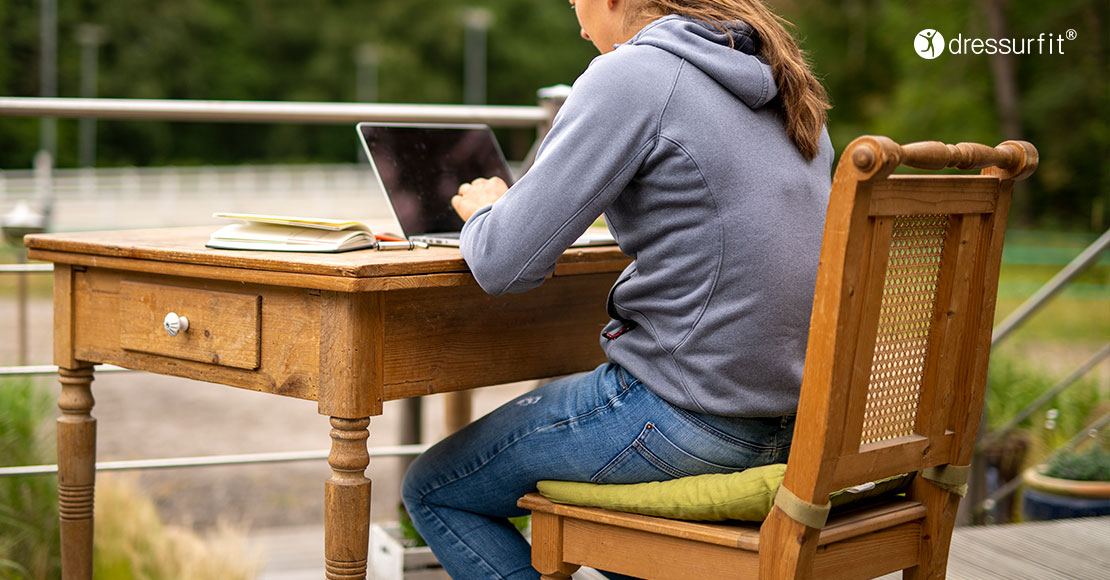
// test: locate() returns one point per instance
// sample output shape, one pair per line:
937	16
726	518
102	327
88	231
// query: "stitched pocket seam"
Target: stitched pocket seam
721	435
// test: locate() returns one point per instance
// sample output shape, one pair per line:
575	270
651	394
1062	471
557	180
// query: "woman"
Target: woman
699	133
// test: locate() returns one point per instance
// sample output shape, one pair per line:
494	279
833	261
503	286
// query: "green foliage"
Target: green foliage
1080	313
414	539
878	84
1091	463
29	545
132	542
273	51
1013	383
408	531
304	51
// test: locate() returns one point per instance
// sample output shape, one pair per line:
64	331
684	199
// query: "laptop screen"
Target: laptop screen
422	166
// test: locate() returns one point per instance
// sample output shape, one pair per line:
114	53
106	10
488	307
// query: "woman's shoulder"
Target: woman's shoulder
631	72
632	62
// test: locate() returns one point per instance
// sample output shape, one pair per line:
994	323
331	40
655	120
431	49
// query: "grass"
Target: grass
1013	383
131	541
1079	313
28	505
1052	343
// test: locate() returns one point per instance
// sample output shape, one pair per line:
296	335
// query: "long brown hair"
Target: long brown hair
804	100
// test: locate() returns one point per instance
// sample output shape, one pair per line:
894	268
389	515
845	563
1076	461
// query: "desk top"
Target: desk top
182	251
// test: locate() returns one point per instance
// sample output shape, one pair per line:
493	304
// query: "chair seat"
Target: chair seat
889	531
843	524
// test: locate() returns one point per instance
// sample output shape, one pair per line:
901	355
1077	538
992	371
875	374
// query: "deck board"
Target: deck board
1076	549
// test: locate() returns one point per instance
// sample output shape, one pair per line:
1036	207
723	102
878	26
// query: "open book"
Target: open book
290	234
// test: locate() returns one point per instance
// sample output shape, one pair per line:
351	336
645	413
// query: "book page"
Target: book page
304	222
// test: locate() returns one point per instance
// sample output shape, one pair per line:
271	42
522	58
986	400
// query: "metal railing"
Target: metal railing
539	117
1084	260
216	460
1008	488
272	112
981	503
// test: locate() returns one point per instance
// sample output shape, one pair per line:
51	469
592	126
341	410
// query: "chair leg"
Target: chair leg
787	548
547	547
936	536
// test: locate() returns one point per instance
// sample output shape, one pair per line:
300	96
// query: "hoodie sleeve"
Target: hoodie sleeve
598	141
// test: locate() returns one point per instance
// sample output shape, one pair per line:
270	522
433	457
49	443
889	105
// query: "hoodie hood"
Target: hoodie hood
738	68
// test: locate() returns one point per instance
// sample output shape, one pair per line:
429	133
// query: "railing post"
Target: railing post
551	99
14	225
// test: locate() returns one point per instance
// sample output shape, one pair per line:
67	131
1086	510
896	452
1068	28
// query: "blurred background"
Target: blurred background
417	51
106	174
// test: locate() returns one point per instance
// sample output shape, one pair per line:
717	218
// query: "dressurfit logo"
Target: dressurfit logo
930	44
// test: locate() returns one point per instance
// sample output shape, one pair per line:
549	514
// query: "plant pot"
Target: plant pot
392	557
1004	459
1051	498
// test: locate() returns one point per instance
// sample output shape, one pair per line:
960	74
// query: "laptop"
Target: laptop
419	167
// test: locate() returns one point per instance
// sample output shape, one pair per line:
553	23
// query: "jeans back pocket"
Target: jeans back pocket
653	456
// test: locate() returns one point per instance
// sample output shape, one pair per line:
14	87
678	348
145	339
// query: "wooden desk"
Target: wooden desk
349	331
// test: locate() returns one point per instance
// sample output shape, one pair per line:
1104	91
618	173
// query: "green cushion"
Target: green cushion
746	495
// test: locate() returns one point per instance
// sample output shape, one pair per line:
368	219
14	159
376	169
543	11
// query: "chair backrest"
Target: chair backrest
899	339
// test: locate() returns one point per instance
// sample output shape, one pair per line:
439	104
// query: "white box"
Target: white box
392	559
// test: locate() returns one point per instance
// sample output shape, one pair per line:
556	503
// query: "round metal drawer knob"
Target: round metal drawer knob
175	324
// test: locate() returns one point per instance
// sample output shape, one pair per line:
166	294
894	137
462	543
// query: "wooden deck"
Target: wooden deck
1076	549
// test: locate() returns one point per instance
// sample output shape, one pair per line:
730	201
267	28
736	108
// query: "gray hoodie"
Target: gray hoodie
678	139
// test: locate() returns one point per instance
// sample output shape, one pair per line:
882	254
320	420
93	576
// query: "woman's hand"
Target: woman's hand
477	194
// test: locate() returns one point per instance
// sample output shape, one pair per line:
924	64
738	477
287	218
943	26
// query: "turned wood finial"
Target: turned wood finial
863	158
871	156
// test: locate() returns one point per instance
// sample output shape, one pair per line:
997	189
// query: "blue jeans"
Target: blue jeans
603	426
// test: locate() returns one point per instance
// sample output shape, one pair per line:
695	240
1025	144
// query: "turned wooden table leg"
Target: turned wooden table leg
347	501
76	471
457	410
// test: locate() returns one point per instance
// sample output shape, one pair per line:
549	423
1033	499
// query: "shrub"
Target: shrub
29	544
1089	462
133	543
1013	383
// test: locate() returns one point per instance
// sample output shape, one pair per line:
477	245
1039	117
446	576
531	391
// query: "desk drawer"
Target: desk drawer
223	327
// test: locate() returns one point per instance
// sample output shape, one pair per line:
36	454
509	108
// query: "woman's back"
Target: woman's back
678	138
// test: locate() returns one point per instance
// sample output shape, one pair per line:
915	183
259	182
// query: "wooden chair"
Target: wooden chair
894	380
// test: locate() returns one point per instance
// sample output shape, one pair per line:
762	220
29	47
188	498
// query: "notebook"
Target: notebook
419	167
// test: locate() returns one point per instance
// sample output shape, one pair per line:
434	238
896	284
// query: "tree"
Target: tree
304	51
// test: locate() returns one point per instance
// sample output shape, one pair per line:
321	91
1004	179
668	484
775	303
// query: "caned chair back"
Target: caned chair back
894	381
900	332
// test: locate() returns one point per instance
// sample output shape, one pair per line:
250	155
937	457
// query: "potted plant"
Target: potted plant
1074	482
398	552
